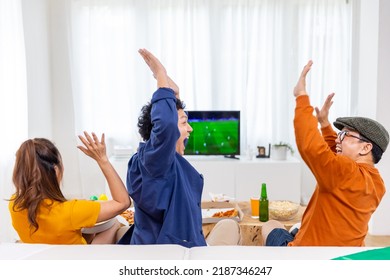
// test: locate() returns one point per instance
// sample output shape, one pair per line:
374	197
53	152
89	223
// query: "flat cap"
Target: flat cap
368	128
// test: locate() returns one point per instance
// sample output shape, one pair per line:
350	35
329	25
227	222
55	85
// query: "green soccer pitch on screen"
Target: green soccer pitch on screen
214	133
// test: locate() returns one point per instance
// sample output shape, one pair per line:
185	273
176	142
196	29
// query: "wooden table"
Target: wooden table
251	227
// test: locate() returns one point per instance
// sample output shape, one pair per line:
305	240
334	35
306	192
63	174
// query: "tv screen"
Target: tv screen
214	133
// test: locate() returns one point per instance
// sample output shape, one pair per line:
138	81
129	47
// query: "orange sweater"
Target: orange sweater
346	194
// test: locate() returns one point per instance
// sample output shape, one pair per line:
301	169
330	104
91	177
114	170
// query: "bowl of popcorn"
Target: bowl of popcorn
283	210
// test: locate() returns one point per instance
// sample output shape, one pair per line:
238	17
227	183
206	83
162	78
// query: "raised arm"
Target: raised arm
174	86
323	114
96	149
300	88
159	71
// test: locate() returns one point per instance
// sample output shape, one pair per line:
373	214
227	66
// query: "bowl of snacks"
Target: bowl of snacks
99	227
283	210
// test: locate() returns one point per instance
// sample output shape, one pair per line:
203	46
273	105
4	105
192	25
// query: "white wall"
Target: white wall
50	89
364	64
370	68
380	224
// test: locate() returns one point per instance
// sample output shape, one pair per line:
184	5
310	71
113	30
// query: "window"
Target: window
224	55
13	103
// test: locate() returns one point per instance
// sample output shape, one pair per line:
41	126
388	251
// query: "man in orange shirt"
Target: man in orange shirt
349	187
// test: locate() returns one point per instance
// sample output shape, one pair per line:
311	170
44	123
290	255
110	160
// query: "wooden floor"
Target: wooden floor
377	240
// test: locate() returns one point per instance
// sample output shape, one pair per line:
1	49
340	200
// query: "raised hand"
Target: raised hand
300	88
158	70
323	114
93	147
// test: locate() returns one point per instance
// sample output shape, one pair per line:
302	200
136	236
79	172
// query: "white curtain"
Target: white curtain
13	103
225	54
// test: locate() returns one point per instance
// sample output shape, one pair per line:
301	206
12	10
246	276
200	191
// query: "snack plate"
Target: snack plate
220	197
99	227
209	208
122	220
209	212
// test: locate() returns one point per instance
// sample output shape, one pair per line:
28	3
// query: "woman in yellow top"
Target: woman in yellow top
41	214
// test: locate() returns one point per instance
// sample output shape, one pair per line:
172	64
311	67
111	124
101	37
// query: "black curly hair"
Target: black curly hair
145	119
376	153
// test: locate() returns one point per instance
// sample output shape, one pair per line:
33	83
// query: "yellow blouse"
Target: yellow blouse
59	222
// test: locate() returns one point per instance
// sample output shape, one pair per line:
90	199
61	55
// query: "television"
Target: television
214	133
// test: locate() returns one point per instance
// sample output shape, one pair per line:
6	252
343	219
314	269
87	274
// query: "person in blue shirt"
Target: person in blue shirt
166	189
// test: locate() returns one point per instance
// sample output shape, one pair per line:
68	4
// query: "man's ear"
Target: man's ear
367	148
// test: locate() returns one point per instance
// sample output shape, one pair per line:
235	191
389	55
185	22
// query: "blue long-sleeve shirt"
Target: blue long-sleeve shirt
165	188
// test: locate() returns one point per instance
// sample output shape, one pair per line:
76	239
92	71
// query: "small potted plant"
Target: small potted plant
279	150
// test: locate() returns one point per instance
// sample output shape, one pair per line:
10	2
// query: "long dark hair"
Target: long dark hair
35	176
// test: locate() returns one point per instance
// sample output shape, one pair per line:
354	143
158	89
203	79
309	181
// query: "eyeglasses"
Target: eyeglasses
344	133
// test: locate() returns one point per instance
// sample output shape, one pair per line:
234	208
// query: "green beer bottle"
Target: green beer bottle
263	204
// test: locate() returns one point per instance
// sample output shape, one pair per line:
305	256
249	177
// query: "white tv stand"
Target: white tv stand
243	178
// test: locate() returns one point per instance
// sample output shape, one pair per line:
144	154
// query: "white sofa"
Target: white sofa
19	251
